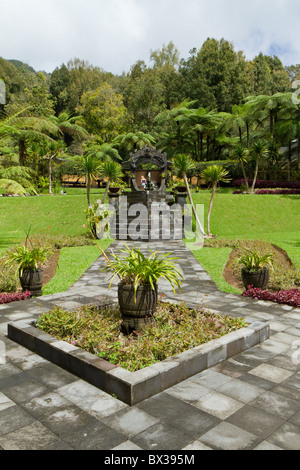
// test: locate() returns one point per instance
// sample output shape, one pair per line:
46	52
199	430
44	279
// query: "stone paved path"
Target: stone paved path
251	401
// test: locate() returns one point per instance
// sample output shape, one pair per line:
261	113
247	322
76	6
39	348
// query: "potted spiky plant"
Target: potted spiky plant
30	266
137	289
254	272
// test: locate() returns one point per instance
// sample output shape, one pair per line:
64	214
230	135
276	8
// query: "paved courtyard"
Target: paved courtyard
248	402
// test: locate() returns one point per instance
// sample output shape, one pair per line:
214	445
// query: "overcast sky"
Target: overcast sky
114	34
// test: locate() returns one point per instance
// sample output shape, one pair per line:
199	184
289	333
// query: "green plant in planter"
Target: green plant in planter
135	269
95	215
26	258
254	270
253	261
137	289
29	264
118	184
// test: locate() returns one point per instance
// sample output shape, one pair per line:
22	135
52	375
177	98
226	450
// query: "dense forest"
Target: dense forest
214	106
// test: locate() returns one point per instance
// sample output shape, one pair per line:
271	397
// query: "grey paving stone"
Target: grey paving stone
188	391
45	405
13	418
286	436
32	437
276	404
21	388
271	373
161	437
258	422
226	436
218	404
241	391
130	421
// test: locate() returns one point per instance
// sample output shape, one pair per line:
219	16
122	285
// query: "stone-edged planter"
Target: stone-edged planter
258	279
134	387
32	280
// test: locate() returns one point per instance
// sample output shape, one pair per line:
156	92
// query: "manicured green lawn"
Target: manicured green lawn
273	218
73	262
51	215
54	214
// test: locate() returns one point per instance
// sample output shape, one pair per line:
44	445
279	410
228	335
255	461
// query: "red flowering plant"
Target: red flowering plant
289	297
6	298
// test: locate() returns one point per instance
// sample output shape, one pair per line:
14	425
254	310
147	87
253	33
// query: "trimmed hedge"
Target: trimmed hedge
272	191
265	184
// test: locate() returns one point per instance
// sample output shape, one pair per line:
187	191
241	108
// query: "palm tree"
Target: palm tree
70	126
88	166
112	171
213	175
182	164
238	120
288	128
170	134
103	152
259	151
49	151
17	180
265	107
200	123
240	153
29	128
134	141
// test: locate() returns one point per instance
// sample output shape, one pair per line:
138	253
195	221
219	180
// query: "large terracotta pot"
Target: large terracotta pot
32	281
258	279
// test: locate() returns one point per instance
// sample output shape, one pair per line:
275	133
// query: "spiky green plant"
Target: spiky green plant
253	261
111	171
132	267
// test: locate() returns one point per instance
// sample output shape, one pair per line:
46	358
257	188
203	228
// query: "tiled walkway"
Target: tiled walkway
251	401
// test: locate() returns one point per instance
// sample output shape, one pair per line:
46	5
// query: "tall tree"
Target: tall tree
133	141
259	151
241	154
213	175
104	113
88	166
181	165
144	99
168	55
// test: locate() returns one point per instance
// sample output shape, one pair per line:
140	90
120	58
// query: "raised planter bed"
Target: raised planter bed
134	387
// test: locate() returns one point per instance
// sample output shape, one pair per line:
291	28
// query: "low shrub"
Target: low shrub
8	282
6	298
288	297
271	184
277	191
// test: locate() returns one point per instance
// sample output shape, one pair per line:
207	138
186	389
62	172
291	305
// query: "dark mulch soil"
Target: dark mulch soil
50	268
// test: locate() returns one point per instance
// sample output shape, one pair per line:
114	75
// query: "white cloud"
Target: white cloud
114	34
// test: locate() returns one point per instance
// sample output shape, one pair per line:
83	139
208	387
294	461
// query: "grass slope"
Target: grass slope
272	218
